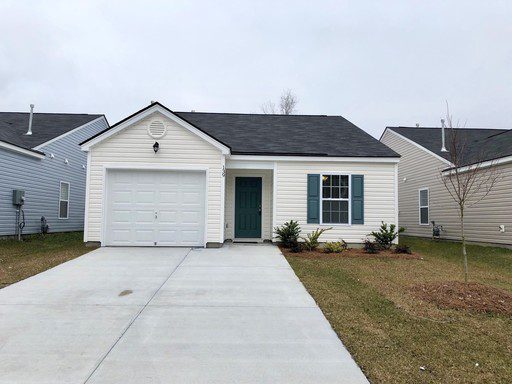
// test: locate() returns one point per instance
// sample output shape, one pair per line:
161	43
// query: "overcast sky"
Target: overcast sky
376	63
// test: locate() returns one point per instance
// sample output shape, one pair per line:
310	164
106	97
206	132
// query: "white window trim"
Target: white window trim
424	206
341	199
68	200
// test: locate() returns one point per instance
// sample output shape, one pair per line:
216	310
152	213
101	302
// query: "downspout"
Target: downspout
443	148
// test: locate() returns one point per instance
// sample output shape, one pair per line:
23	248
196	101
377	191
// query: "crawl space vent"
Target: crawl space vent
156	129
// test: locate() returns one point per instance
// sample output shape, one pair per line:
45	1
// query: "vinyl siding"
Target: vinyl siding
40	179
422	169
266	201
179	148
379	196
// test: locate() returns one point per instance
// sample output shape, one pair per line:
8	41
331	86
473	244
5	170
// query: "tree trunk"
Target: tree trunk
463	238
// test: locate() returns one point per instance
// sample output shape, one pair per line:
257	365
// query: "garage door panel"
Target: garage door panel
155	208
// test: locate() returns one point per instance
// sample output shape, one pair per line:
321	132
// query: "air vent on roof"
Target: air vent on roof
156	129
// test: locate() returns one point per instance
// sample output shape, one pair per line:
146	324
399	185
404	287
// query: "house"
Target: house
423	197
40	156
164	178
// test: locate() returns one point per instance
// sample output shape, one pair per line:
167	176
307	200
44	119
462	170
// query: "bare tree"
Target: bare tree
287	104
469	180
268	108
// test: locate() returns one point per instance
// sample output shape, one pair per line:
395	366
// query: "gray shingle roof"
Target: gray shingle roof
45	126
304	135
479	143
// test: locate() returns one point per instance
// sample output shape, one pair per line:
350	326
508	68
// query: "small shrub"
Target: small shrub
288	233
403	249
296	247
371	247
335	246
385	236
311	240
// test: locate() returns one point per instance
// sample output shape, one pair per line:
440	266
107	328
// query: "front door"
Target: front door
248	207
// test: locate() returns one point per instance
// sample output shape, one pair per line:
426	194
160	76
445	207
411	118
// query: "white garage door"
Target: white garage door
155	208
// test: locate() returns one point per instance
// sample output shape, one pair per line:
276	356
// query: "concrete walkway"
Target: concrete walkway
237	314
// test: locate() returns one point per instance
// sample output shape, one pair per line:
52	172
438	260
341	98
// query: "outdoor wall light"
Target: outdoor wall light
156	146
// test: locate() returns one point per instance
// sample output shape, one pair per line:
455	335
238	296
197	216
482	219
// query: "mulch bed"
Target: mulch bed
473	297
351	252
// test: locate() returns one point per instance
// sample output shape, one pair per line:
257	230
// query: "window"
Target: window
424	208
335	199
64	200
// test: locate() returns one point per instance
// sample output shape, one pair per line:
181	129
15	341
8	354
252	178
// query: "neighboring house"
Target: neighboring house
47	165
167	178
422	196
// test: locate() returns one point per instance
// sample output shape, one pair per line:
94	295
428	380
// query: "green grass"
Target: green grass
391	334
36	253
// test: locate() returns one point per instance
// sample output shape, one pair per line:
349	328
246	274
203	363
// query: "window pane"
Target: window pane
344	181
344	217
344	193
326	192
336	180
423	198
335	193
335	217
344	206
326	180
63	209
64	191
424	215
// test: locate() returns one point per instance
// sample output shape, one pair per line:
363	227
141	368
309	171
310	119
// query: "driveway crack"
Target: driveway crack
135	318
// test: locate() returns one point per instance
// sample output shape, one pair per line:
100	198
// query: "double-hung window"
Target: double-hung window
335	199
64	200
424	206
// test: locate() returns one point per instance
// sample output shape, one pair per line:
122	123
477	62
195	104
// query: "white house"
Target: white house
164	178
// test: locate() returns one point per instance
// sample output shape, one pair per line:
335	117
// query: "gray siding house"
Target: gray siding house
423	198
48	166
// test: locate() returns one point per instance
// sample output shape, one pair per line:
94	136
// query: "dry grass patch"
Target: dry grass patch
36	253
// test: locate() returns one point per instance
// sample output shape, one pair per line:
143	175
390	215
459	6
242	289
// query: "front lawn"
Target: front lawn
394	335
35	254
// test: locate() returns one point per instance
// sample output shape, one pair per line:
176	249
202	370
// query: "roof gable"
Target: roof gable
45	127
480	143
144	113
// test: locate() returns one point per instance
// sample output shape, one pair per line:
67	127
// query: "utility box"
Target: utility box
18	197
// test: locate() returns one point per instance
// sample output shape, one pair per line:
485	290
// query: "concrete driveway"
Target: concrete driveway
237	314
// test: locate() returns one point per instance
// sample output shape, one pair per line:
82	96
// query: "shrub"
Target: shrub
385	236
371	247
311	240
403	249
335	246
296	247
288	233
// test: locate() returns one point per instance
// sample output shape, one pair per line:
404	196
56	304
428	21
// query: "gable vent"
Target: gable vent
156	129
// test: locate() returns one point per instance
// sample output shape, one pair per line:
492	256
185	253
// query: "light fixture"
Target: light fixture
156	146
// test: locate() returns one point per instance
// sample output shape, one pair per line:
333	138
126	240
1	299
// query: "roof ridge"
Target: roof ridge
57	113
255	114
461	128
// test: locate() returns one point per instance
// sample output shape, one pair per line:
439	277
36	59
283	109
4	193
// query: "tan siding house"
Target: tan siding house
164	178
420	168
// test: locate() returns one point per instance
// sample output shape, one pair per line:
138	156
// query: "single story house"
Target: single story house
423	197
164	178
40	157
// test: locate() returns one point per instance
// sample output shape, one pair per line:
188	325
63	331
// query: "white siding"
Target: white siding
266	200
421	169
379	196
179	149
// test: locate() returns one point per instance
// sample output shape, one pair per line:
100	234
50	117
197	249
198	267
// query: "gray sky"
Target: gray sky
376	63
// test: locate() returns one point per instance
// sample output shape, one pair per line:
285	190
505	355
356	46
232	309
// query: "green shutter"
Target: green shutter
357	199
313	199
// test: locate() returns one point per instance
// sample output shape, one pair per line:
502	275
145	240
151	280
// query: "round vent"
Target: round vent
156	129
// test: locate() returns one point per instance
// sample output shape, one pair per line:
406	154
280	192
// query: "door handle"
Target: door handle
259	209
156	215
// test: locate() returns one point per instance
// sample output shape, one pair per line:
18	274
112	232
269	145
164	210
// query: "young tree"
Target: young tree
287	104
469	180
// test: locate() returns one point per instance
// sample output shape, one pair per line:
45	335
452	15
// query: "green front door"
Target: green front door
248	207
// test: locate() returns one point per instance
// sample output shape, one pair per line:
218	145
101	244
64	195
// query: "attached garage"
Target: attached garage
155	207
